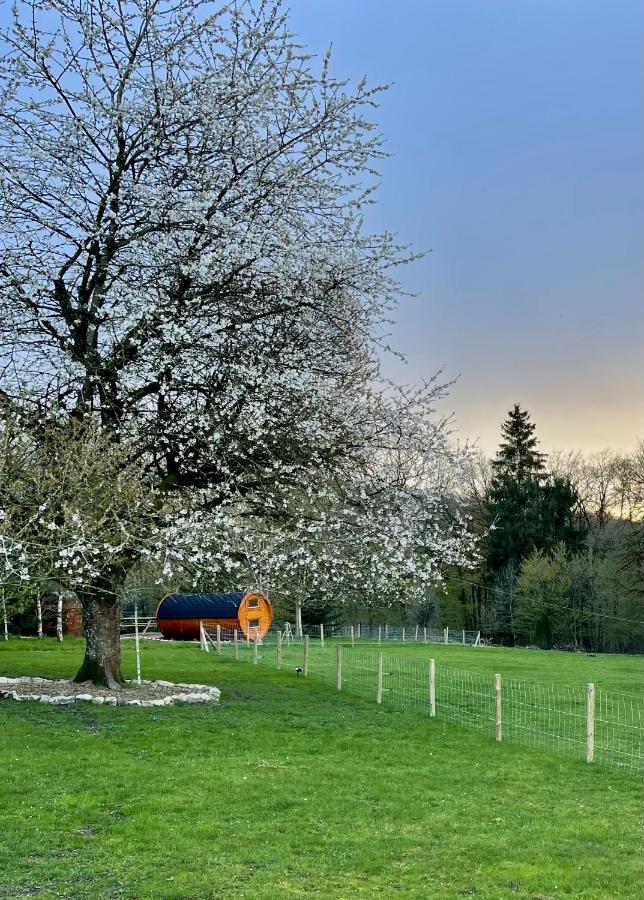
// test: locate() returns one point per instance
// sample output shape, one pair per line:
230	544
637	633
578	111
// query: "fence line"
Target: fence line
372	633
417	634
581	721
147	624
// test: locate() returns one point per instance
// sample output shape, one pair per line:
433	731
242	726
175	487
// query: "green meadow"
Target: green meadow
289	788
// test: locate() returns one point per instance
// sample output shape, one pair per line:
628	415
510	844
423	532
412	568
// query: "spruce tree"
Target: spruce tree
528	510
517	457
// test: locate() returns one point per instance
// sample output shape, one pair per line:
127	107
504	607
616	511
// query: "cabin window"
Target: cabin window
253	623
253	604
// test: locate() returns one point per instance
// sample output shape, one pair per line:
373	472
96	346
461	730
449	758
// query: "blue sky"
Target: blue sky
516	133
515	128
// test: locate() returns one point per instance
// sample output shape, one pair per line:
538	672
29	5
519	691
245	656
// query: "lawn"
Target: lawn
290	789
543	694
612	672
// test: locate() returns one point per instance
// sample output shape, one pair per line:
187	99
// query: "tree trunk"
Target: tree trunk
4	618
298	618
102	621
39	617
59	617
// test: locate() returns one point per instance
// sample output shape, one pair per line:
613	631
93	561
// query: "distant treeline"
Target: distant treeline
562	546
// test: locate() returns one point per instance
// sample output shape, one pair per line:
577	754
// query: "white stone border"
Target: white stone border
191	693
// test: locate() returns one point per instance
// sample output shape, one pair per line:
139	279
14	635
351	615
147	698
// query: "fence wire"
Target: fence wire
414	634
545	716
618	729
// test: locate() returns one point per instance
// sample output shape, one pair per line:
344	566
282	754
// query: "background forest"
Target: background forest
562	547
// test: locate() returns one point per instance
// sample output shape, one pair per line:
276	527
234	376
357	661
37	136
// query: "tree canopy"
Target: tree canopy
185	271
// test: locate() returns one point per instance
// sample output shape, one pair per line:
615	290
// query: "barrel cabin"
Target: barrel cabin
248	612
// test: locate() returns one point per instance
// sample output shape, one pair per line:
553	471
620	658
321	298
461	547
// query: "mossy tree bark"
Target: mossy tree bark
101	621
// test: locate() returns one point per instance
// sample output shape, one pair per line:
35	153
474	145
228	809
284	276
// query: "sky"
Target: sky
515	133
515	128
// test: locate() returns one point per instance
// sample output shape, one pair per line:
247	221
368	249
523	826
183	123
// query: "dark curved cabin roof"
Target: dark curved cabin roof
201	606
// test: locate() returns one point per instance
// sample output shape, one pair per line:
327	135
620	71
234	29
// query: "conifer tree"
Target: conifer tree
528	509
517	457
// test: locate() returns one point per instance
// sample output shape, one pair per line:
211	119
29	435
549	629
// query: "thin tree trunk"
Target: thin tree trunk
298	618
39	617
102	623
59	618
4	618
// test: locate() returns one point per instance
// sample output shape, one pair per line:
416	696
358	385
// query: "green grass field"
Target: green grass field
543	694
289	789
610	671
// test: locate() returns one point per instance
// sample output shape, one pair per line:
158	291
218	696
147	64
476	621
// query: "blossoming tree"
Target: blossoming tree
183	264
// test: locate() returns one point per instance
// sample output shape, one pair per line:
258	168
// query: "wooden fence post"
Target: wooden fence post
136	642
424	634
477	642
353	640
235	645
359	631
278	650
445	635
202	638
497	707
379	680
416	638
380	634
463	635
305	665
590	722
255	656
338	667
386	632
432	687
321	635
219	639
403	634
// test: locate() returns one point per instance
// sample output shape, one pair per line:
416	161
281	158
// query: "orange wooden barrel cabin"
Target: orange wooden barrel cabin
249	612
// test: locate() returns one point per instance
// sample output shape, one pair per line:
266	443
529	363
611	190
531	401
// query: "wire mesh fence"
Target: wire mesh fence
574	720
417	634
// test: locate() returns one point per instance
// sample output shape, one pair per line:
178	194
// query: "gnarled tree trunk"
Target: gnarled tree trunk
101	621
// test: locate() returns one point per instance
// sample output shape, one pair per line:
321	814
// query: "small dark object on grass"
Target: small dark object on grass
298	670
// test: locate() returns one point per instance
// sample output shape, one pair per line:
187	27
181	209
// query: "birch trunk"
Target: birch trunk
298	618
59	618
39	617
